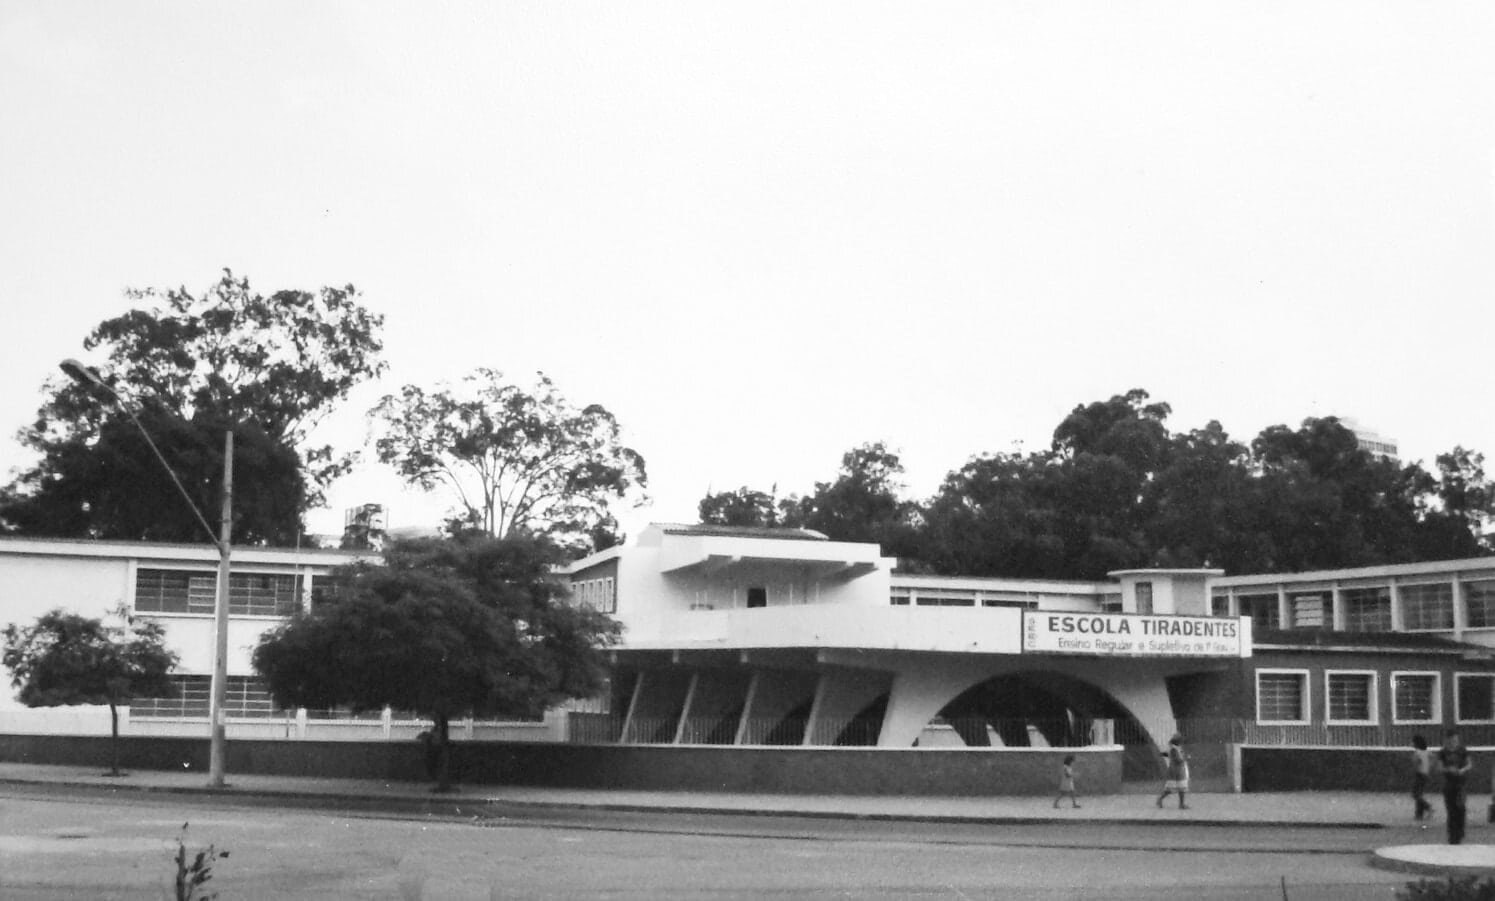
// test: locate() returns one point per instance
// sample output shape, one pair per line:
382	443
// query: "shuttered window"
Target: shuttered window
1350	697
1282	696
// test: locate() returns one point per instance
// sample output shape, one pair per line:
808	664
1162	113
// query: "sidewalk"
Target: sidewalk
1350	810
1384	815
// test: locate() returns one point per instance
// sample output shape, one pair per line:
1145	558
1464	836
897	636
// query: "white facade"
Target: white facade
735	630
173	584
1450	598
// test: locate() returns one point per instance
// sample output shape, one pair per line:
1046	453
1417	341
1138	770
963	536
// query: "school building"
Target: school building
739	642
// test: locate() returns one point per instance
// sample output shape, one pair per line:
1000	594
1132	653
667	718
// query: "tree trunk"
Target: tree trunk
113	739
443	753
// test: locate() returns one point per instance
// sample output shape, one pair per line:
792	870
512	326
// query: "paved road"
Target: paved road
54	847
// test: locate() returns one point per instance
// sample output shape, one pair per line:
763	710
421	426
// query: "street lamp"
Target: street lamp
88	378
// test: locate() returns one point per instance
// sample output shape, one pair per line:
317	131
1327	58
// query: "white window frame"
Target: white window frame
1304	680
1373	701
1437	715
1459	709
1465	583
1453	614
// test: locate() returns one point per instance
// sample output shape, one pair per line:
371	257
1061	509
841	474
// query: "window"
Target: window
1479	603
597	594
1282	696
1350	697
1476	697
1427	606
174	591
899	597
1416	698
1367	609
1144	597
1220	604
185	591
1311	611
190	696
758	597
926	600
261	594
328	588
1262	608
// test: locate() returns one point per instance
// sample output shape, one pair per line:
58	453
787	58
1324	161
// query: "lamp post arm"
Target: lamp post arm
85	376
174	480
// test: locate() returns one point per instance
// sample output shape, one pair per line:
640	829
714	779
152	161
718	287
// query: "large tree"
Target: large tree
863	502
518	460
1116	489
464	626
193	365
65	658
743	507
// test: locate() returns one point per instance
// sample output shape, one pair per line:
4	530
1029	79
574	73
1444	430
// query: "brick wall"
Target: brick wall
848	771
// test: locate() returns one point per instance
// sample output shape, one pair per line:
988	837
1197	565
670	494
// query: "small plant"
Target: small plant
1455	888
191	874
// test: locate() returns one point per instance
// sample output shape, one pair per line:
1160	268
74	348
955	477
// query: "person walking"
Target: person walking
1453	761
1067	782
1176	775
1422	772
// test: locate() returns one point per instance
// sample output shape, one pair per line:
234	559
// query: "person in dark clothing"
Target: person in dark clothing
432	753
1422	771
1453	761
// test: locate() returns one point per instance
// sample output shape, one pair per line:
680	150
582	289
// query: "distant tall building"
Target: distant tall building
1372	442
364	527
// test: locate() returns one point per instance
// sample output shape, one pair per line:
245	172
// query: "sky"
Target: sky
764	233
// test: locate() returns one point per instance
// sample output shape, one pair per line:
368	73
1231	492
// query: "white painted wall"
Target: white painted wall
33	585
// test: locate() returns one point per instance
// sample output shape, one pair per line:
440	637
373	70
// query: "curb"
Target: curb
1397	859
491	808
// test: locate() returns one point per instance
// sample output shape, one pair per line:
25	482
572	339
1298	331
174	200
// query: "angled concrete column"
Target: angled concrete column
690	692
713	709
659	698
1146	696
841	695
920	692
774	695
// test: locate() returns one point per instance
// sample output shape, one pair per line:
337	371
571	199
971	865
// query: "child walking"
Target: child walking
1422	771
1067	782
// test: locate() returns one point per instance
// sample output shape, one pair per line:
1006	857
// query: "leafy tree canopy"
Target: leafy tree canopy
468	625
1117	489
192	365
742	507
64	659
862	503
519	461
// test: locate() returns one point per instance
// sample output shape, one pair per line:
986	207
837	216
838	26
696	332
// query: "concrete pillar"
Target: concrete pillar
717	697
841	695
919	693
660	700
774	695
638	689
747	705
1460	614
690	693
1145	695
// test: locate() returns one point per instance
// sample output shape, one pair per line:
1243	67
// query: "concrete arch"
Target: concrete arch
920	695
